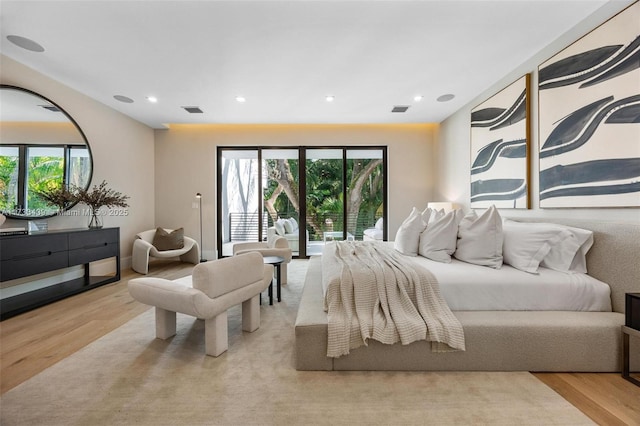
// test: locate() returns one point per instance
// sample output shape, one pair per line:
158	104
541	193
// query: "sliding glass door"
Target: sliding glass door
239	198
365	202
334	193
281	177
324	173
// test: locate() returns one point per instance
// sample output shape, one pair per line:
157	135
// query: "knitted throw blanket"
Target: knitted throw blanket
375	293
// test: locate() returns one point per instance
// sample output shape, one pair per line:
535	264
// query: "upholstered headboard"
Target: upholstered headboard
614	257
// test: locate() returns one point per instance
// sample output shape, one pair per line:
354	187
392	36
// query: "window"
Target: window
238	197
45	169
281	192
331	193
26	169
9	168
79	172
365	202
325	189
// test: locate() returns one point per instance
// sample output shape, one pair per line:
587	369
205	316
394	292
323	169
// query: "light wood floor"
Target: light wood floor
34	341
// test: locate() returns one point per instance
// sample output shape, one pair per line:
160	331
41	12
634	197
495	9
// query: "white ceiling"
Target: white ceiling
284	56
20	106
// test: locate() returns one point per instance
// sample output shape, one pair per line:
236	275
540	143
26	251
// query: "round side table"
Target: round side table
276	261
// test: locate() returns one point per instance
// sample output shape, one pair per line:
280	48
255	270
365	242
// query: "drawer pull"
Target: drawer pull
91	246
32	255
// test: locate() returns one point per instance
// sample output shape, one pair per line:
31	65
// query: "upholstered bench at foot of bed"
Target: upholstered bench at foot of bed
495	341
213	288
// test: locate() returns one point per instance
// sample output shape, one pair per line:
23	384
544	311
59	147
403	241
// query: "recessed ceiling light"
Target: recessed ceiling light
122	98
152	99
241	99
418	98
446	98
330	98
25	43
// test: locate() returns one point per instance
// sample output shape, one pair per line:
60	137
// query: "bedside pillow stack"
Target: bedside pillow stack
488	240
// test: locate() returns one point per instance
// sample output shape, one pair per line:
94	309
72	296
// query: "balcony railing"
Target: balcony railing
244	226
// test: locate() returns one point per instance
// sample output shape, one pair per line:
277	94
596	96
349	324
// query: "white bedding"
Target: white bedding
468	287
374	292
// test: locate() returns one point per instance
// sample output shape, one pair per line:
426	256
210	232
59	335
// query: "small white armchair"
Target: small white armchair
375	233
143	249
276	247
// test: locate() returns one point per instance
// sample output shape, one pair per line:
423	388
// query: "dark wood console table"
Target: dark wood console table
27	255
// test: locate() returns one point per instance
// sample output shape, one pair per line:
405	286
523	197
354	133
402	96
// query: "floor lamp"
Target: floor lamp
199	197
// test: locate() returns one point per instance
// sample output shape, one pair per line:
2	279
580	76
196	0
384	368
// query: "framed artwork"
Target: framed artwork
589	118
500	133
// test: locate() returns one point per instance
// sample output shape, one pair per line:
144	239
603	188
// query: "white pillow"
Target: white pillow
288	226
408	235
526	244
379	224
480	239
373	233
294	224
279	225
438	241
435	215
569	255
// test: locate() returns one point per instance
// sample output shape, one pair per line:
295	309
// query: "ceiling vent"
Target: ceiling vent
124	99
193	110
51	108
400	108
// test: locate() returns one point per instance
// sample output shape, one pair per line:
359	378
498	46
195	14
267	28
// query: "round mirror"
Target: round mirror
41	149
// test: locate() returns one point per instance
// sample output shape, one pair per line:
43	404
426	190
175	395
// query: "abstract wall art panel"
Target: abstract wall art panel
500	148
589	118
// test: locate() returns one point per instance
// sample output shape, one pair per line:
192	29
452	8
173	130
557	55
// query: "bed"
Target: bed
572	334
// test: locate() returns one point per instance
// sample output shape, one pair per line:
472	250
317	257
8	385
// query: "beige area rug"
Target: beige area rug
129	377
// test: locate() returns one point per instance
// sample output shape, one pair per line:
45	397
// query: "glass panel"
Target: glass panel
365	196
79	167
239	198
324	197
45	171
9	158
281	175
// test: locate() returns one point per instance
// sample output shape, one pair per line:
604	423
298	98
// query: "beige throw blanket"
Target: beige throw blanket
372	292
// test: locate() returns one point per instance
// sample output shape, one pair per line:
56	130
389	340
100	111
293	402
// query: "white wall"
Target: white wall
453	139
122	148
186	164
